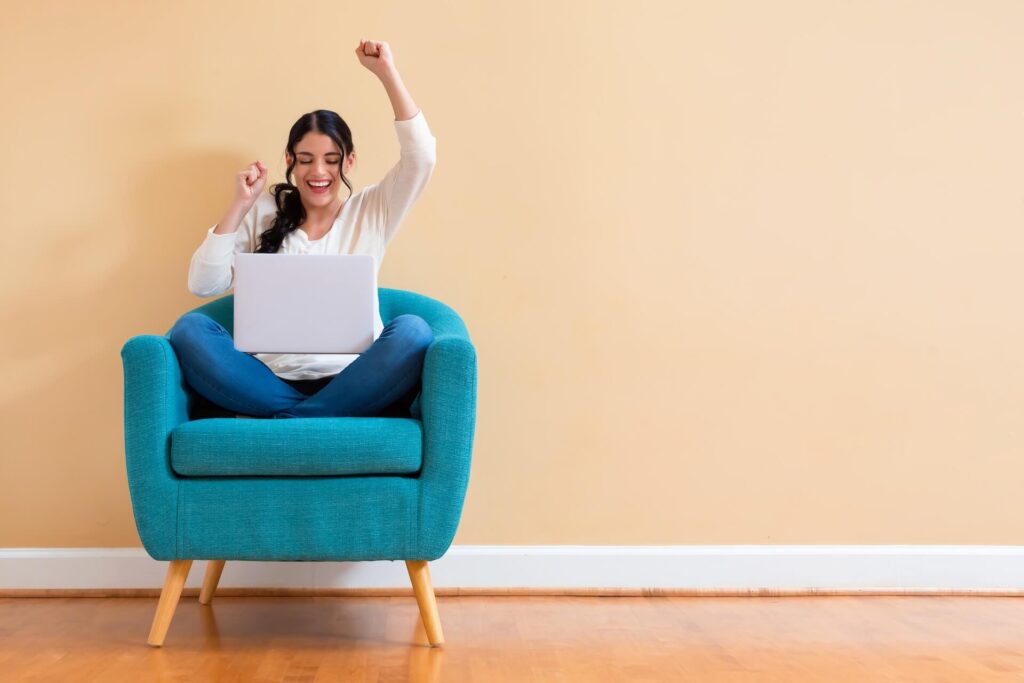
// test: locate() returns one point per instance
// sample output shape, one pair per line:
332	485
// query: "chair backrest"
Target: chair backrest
442	318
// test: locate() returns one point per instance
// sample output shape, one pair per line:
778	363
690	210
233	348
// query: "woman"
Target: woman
310	217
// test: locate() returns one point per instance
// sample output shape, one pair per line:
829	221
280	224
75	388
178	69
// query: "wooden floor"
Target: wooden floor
496	639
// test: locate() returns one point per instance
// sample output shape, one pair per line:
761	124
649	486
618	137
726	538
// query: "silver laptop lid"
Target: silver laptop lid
304	303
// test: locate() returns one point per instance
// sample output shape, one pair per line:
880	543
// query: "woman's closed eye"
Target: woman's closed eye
309	162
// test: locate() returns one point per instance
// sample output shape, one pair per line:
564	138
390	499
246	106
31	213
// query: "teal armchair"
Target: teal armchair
301	489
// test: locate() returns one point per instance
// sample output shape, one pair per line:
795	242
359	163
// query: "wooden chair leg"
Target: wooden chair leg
213	571
419	573
177	572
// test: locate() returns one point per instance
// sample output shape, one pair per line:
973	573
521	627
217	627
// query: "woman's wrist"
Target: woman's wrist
389	73
232	218
401	101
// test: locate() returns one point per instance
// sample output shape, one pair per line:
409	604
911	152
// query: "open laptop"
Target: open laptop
304	303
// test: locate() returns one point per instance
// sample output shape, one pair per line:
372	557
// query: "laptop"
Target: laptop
304	303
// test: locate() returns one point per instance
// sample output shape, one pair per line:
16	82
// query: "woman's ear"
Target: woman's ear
351	162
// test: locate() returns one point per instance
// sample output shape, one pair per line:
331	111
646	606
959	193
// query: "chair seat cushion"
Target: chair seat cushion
297	446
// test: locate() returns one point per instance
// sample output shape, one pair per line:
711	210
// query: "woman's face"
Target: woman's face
318	159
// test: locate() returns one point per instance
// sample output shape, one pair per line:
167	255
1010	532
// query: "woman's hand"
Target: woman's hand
375	56
249	183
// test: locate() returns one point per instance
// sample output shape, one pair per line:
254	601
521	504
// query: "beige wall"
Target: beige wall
737	272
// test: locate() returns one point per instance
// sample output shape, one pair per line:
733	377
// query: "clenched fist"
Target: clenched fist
249	184
375	56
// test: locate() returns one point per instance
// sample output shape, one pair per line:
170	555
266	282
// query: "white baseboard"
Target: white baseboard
709	568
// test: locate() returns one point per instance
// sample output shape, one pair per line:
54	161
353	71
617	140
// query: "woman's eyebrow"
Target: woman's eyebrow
337	154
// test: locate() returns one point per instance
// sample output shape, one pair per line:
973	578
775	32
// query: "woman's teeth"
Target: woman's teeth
319	186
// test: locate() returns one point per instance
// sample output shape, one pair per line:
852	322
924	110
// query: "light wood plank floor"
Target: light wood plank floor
534	638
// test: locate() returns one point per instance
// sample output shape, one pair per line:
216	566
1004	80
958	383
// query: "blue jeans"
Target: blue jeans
383	380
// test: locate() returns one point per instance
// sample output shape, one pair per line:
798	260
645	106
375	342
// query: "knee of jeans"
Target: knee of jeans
187	326
417	328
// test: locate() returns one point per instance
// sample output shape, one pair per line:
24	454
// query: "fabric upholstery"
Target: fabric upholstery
316	506
300	446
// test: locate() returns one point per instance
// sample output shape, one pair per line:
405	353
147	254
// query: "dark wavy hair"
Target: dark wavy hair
290	212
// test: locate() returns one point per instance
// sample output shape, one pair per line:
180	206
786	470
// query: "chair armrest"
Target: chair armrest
155	402
448	407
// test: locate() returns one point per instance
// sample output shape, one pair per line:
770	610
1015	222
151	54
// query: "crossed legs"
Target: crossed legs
385	374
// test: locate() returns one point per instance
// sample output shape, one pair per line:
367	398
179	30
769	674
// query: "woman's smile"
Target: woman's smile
319	186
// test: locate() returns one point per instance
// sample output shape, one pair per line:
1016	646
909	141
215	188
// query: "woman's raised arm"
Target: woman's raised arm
391	199
376	56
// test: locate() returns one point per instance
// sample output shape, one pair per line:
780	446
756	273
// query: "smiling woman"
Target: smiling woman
320	165
307	215
317	143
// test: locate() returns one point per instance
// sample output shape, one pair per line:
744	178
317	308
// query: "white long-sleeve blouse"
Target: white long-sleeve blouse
367	223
